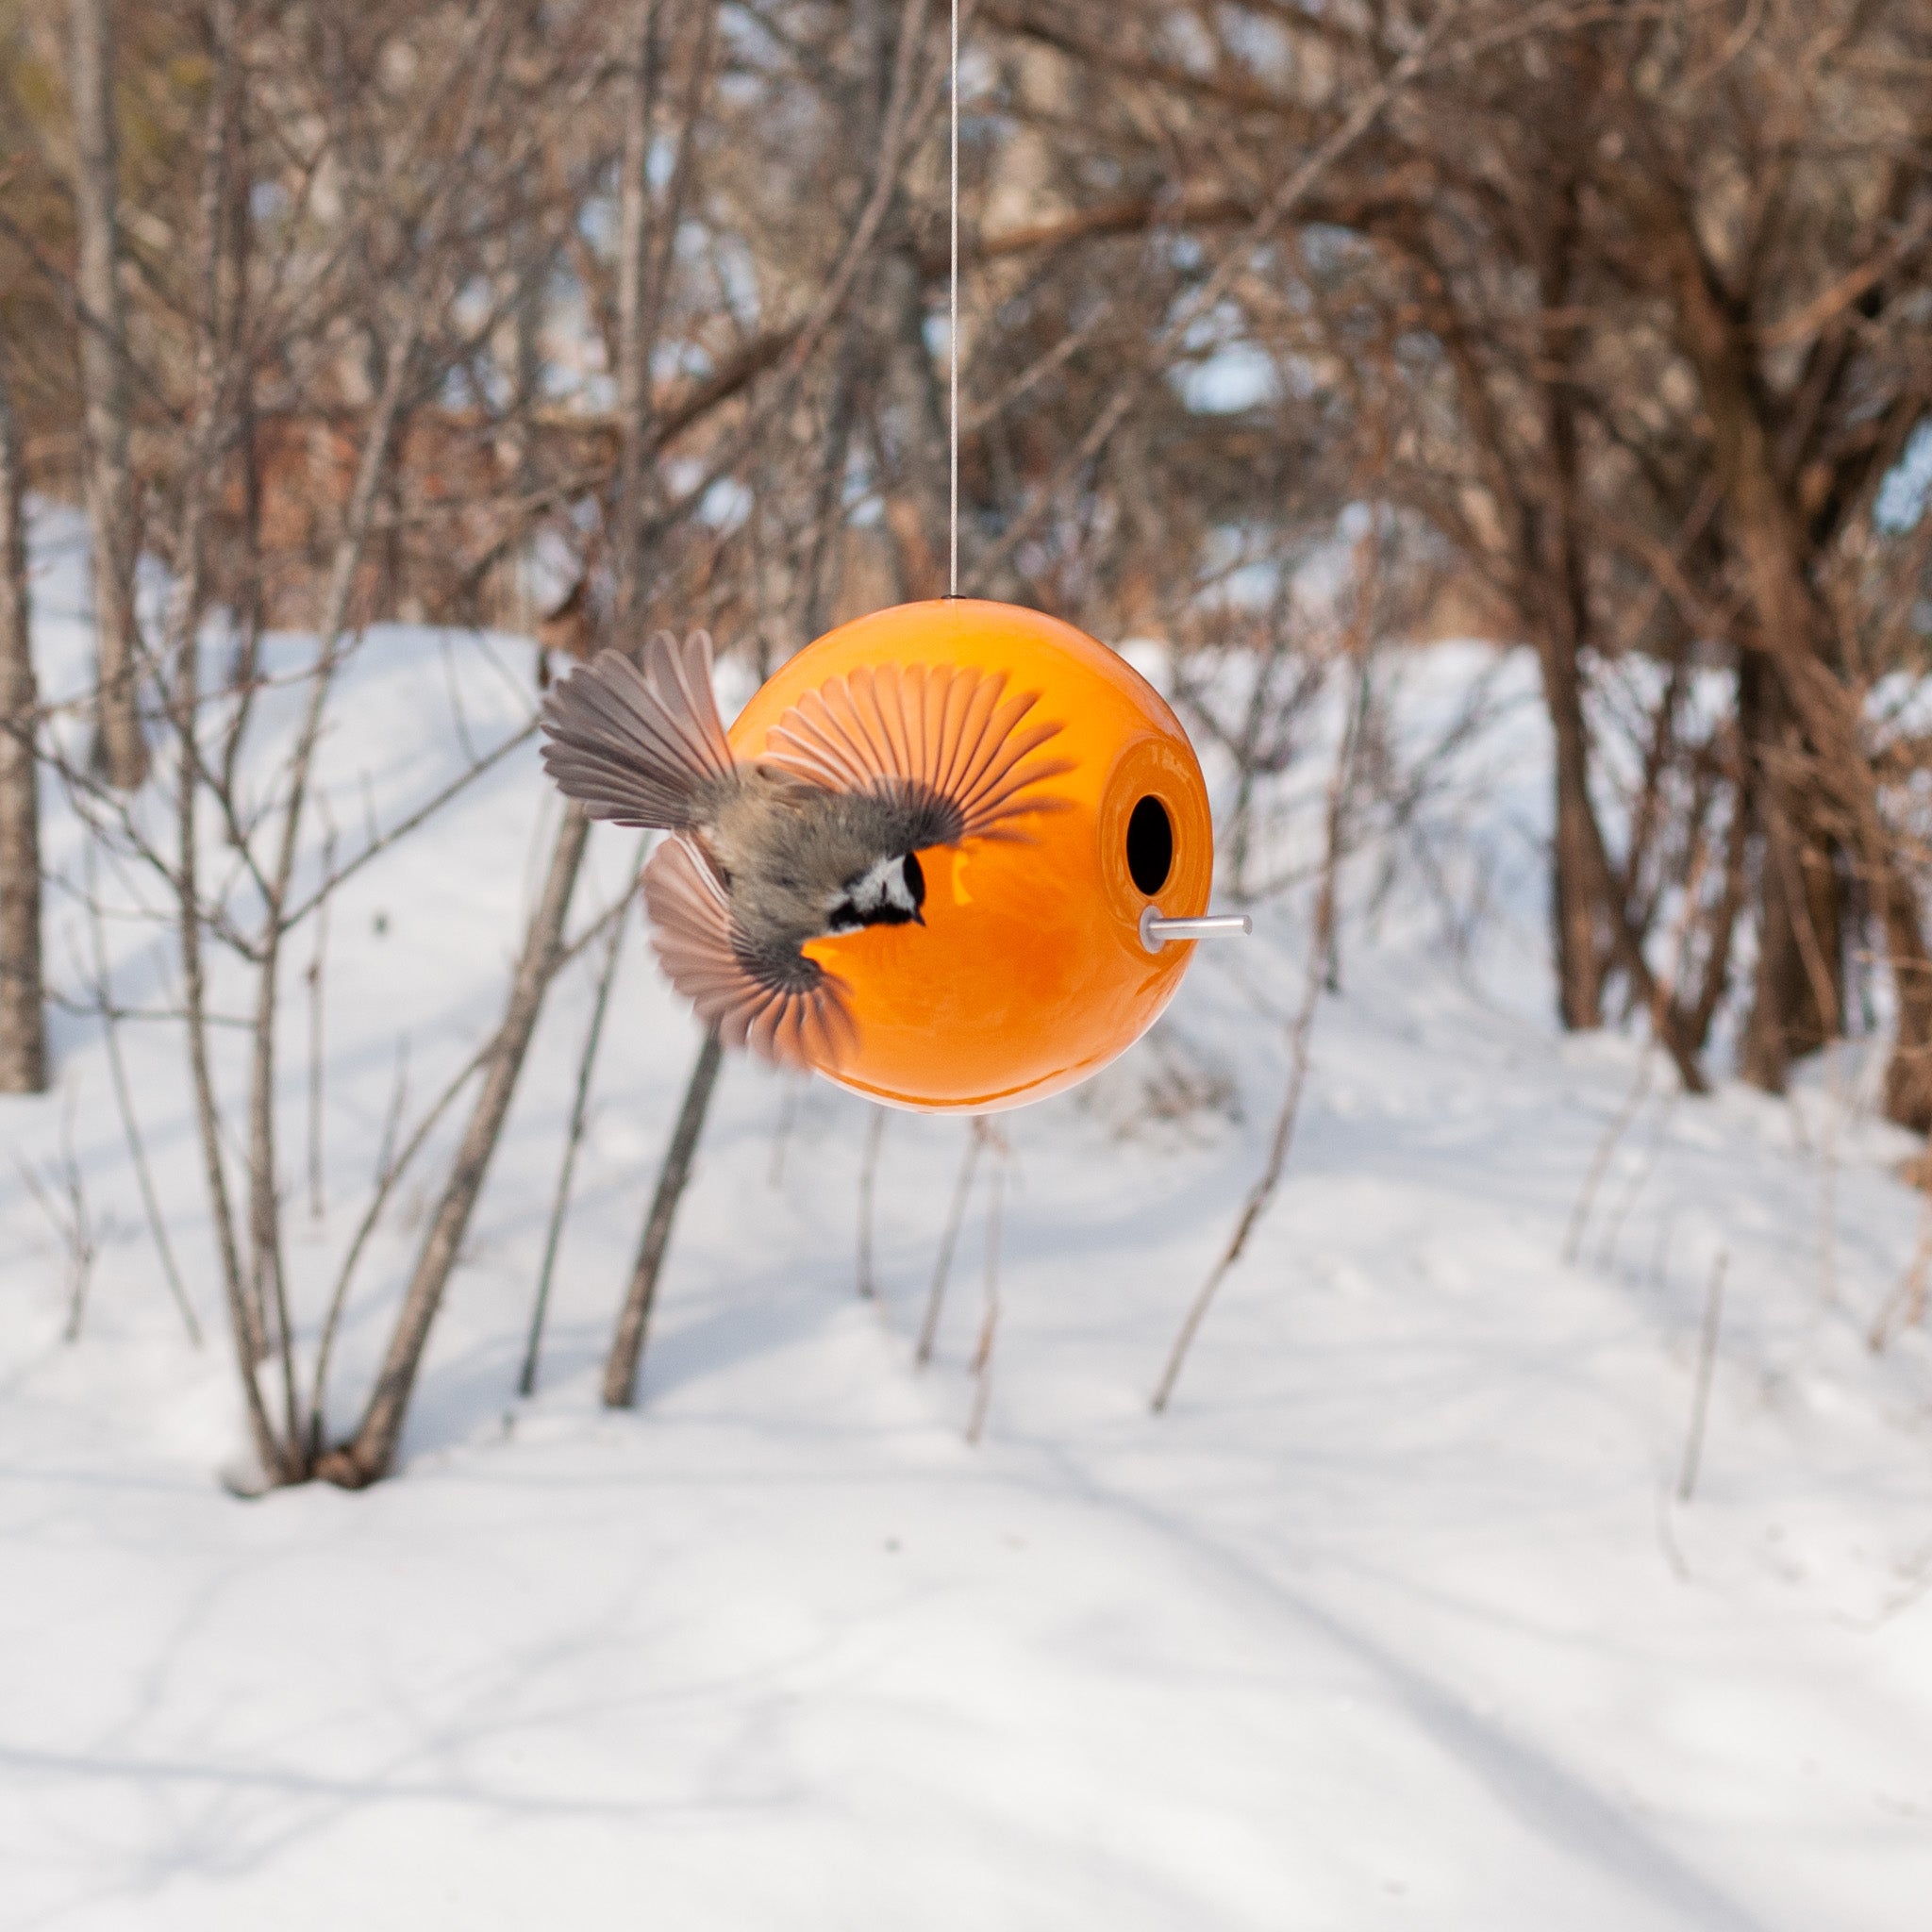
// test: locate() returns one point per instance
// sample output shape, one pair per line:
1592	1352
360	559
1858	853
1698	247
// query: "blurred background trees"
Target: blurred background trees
572	320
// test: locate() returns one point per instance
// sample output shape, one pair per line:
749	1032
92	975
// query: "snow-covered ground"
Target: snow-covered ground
1393	1620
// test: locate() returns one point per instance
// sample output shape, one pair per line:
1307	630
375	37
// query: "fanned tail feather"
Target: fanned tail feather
643	747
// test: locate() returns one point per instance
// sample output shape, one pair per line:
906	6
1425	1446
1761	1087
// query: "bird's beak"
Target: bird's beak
918	917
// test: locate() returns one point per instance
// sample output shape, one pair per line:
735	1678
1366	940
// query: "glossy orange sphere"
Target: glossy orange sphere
1029	972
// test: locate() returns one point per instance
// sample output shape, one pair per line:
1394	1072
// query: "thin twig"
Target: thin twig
1707	1358
385	1186
313	980
1828	1172
936	1296
579	1113
399	1090
1824	991
1646	1166
74	1226
1663	995
989	1327
868	1182
82	1222
1607	1146
781	1132
1321	938
1906	1304
379	841
124	1101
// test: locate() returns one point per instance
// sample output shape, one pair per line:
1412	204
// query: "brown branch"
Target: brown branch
367	1455
573	1136
641	1293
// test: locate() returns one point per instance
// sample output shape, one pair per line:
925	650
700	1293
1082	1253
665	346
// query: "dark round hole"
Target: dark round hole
1150	846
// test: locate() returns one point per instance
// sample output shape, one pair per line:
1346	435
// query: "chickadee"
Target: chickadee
820	836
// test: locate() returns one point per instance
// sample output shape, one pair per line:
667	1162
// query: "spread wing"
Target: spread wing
942	740
773	1000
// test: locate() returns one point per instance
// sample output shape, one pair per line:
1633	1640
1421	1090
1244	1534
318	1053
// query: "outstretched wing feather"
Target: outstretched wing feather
942	740
965	712
778	1003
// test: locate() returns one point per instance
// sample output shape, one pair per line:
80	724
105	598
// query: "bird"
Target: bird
817	835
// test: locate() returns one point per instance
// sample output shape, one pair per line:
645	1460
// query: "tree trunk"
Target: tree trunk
1810	761
119	750
636	324
1909	1075
1798	990
1799	944
23	1019
1575	872
633	347
1582	879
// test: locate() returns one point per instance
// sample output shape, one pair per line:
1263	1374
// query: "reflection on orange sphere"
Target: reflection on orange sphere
1029	972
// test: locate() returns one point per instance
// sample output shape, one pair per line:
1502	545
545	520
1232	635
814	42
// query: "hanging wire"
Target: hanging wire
953	336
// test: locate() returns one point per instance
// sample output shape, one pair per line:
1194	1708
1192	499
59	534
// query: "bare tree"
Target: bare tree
22	1018
121	750
902	96
437	183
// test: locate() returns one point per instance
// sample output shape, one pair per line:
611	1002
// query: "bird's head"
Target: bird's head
889	892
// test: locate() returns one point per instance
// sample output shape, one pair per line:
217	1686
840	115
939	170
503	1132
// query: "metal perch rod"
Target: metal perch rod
1157	931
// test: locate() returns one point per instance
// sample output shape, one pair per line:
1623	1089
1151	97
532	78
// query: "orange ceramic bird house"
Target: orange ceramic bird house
1032	967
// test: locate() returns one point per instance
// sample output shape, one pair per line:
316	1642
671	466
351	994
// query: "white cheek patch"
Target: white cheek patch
874	885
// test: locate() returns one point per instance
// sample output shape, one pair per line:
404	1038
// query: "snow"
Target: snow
1393	1620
